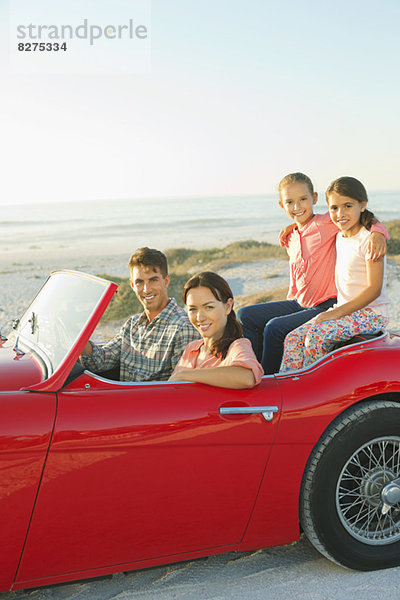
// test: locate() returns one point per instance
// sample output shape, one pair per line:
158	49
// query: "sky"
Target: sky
225	98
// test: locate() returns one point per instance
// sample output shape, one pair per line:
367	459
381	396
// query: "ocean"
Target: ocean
120	226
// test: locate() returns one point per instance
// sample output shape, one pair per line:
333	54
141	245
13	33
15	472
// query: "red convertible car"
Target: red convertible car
100	476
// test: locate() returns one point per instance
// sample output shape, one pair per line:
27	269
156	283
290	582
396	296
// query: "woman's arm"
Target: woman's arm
228	377
375	271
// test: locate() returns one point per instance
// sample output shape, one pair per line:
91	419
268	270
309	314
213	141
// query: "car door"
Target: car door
142	471
26	423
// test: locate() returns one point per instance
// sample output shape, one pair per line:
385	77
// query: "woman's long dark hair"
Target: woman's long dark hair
352	188
222	292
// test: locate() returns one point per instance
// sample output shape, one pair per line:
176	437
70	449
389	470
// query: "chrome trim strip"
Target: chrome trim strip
266	411
131	383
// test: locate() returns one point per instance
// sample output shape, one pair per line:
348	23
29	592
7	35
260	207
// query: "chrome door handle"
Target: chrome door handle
266	411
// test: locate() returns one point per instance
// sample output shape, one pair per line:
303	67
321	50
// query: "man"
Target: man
149	344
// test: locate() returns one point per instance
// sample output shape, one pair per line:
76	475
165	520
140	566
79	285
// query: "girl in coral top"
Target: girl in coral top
362	305
222	357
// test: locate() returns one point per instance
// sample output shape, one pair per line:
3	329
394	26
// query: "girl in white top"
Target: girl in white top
362	305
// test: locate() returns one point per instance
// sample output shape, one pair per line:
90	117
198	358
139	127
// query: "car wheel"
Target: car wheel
350	499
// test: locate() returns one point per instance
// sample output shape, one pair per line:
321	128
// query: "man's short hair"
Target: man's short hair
149	257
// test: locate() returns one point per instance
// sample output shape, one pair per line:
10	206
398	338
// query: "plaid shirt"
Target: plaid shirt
146	351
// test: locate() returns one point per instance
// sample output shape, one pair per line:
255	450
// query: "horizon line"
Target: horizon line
166	198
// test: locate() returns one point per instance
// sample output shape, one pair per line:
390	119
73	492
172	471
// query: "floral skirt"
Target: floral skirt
310	341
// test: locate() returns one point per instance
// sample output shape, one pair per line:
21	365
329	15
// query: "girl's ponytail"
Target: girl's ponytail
367	219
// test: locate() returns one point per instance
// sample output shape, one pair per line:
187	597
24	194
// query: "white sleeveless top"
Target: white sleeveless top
351	271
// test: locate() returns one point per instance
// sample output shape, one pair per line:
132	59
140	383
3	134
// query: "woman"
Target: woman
222	357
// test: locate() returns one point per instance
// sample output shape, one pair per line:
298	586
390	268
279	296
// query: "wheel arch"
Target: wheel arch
387	396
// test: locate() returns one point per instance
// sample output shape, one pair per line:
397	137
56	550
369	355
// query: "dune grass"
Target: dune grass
394	243
187	260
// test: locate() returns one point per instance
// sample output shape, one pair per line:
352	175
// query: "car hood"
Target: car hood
17	372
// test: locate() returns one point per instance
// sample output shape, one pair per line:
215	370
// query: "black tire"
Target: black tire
340	500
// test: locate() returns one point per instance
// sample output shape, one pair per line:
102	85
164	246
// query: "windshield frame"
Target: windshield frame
60	366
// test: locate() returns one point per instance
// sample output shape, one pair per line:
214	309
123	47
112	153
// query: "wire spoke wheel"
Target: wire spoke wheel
350	493
358	492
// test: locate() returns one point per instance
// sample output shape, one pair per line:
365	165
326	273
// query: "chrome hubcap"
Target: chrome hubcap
362	487
373	483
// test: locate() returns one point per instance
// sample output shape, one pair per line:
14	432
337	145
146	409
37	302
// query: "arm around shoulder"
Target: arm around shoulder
377	241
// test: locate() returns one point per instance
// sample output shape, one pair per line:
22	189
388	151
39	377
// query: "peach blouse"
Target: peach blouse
240	354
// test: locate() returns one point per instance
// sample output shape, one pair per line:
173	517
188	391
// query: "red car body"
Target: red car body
100	476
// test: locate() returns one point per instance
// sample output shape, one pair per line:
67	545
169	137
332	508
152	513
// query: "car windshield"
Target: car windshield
55	319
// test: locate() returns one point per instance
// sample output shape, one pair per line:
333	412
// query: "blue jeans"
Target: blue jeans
266	326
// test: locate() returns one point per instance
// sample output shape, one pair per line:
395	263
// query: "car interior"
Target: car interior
113	374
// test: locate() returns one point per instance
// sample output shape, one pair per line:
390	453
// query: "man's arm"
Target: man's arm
88	349
104	357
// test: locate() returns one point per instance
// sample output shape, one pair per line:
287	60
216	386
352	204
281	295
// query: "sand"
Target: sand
294	572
